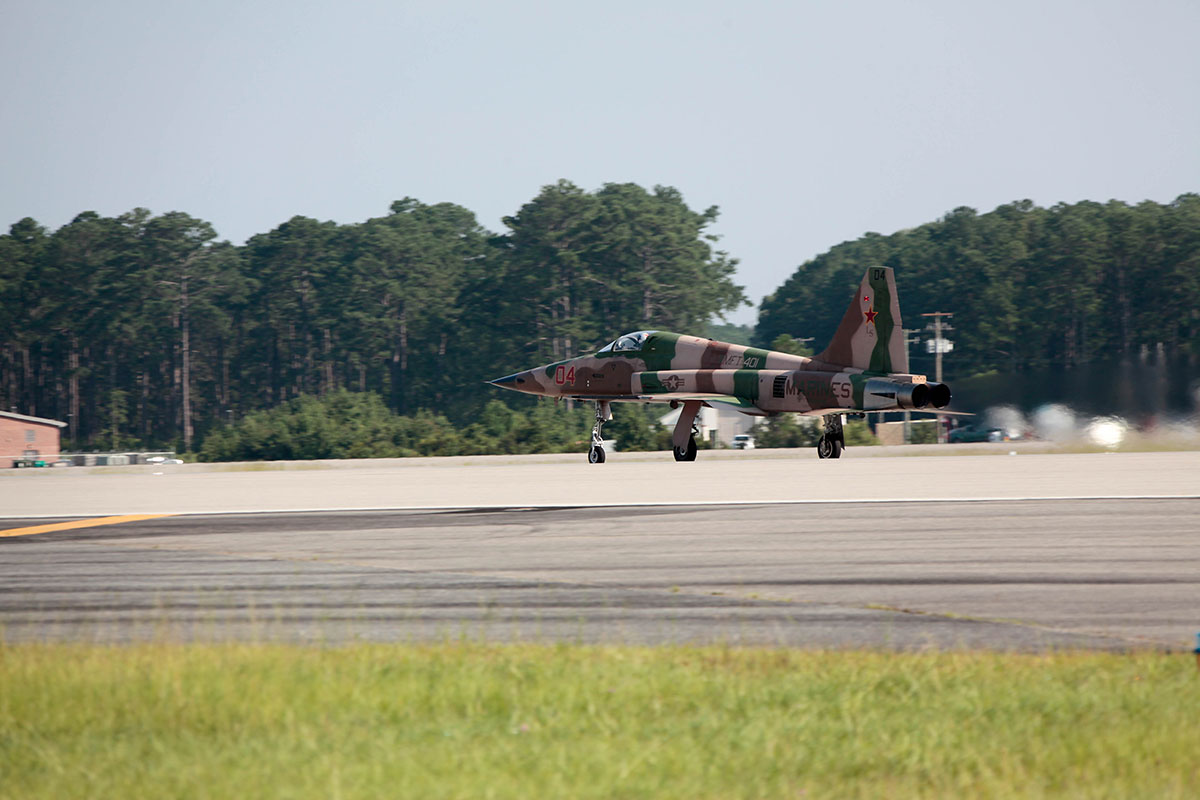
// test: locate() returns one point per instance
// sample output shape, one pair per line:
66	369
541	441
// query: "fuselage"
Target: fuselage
660	366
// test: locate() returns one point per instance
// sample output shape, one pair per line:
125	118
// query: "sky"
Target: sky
807	123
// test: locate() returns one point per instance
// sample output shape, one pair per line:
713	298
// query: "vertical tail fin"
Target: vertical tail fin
871	335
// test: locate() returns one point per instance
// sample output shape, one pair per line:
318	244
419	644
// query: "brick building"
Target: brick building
28	437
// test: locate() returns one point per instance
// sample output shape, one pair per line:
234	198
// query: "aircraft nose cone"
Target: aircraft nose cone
514	381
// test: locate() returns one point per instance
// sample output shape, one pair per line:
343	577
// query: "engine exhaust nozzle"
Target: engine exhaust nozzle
939	395
881	394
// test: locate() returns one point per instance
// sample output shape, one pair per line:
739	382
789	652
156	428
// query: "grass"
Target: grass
563	721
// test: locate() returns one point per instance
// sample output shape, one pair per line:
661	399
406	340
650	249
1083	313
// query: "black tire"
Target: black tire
596	455
829	448
686	453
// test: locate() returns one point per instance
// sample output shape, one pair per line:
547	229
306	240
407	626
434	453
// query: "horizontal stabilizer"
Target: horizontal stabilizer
933	412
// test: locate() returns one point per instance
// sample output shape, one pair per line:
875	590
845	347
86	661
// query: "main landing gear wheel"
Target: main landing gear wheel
833	441
686	453
828	448
596	455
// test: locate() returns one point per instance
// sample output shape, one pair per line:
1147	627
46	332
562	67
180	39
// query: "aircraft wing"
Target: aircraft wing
739	404
744	406
664	397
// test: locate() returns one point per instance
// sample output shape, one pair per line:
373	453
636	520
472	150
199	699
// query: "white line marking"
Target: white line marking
634	504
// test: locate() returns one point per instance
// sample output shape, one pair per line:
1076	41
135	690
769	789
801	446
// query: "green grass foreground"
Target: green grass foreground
564	721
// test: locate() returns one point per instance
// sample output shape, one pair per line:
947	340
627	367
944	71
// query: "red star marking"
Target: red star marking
870	315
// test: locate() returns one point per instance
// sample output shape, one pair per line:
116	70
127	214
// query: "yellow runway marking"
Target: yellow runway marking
79	523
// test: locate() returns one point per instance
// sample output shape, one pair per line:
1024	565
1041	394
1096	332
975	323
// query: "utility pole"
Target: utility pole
908	414
939	345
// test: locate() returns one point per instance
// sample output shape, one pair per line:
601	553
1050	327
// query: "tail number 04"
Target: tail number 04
563	375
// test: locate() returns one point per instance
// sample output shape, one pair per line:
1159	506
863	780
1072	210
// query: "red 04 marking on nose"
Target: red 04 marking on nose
563	375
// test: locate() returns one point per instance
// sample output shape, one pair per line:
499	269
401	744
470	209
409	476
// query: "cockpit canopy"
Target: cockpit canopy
629	343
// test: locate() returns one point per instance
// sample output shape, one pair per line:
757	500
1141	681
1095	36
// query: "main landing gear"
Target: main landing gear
603	415
683	439
832	442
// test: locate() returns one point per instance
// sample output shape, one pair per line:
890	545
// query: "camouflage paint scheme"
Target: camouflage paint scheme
865	368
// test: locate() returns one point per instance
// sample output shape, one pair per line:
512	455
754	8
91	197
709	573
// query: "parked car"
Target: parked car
743	441
976	433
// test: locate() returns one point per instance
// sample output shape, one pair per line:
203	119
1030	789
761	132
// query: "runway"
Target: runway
863	475
1002	574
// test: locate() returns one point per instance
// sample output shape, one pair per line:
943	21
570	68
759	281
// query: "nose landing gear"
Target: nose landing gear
603	414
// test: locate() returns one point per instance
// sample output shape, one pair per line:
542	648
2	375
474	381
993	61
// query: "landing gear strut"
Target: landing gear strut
603	415
832	442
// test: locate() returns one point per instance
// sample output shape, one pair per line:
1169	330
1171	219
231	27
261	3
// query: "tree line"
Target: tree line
1029	287
143	330
345	424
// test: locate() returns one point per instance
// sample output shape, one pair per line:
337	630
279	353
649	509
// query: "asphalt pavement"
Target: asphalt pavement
1033	574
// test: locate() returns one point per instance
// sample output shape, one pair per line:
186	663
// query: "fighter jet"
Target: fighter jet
864	369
